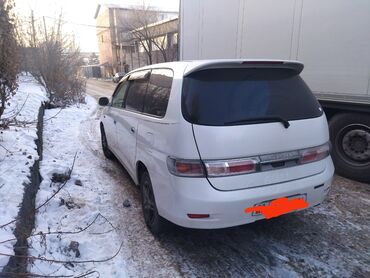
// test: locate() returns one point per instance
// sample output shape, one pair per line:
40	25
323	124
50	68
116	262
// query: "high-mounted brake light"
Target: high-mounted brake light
314	154
263	62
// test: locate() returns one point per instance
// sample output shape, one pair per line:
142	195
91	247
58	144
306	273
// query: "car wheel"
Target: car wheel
350	136
156	223
107	153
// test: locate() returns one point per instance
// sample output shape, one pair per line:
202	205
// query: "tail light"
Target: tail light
215	168
231	167
185	167
314	154
222	168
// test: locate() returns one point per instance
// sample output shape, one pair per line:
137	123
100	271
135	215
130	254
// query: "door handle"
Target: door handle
114	121
132	130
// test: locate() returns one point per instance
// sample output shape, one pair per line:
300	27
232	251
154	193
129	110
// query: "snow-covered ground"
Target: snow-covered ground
17	154
77	223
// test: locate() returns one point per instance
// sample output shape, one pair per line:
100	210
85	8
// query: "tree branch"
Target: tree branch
67	232
60	188
64	262
48	199
48	276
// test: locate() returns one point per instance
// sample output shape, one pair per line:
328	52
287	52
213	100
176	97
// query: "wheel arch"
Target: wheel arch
345	164
140	168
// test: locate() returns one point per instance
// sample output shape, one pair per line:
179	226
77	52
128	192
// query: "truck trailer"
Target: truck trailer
331	38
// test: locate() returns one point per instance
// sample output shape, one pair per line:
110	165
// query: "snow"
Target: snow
17	154
75	206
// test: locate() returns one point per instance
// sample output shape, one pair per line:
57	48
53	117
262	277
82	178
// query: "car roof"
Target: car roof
188	67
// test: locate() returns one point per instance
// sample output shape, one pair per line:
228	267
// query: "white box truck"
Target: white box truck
331	38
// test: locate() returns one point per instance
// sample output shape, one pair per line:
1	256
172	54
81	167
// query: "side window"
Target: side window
159	89
119	95
136	94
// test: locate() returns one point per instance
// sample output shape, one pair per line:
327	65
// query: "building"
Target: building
90	58
163	35
116	42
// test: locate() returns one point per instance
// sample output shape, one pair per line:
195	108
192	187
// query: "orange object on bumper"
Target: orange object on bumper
278	207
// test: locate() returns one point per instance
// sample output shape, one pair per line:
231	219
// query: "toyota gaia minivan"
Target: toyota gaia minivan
206	140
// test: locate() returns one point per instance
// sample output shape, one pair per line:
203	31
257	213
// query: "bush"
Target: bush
57	69
9	63
51	57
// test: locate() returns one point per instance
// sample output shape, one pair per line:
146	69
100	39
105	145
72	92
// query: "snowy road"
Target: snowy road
330	240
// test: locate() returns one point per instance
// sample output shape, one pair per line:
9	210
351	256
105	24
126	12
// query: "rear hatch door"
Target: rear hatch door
265	112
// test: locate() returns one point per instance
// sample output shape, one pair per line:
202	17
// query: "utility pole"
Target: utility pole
46	34
33	31
58	37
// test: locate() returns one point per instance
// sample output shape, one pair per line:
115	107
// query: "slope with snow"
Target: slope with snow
77	223
17	154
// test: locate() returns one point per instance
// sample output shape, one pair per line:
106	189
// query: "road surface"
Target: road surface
332	240
100	88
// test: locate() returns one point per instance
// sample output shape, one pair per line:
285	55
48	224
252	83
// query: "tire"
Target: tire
350	136
156	223
104	143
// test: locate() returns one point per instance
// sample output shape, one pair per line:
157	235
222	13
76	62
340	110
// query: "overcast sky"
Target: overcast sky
82	12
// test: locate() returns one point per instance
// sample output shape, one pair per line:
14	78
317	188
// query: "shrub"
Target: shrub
9	63
57	69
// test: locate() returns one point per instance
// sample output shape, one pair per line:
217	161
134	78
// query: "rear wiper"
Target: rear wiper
268	119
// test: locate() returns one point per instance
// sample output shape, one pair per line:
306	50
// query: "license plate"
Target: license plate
267	203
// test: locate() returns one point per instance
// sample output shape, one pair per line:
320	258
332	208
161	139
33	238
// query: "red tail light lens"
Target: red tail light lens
216	168
185	168
314	154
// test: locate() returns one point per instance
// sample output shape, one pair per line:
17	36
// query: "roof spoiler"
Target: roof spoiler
293	65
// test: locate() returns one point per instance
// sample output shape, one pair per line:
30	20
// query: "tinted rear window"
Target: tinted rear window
223	96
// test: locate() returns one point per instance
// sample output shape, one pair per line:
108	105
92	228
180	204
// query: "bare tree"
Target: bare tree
152	35
9	64
54	61
163	39
139	24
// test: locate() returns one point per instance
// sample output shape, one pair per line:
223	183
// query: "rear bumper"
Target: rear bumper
226	208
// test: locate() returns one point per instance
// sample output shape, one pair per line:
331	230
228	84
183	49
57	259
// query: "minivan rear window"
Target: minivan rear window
220	97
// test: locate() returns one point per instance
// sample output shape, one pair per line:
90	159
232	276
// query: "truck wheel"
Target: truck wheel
107	153
350	136
156	223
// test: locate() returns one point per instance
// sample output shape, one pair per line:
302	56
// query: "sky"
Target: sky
80	15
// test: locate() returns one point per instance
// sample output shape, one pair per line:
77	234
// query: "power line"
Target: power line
80	24
24	20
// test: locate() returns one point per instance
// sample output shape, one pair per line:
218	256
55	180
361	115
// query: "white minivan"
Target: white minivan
206	140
